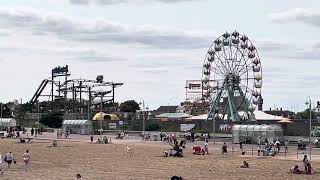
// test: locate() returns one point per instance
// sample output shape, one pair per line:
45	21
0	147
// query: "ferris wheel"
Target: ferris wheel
232	78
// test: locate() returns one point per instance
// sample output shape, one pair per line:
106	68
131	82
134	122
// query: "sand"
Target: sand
111	161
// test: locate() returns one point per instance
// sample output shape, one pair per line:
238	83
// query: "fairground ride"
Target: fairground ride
232	78
231	83
75	95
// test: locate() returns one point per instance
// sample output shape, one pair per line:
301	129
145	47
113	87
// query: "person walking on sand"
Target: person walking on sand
91	138
9	158
26	160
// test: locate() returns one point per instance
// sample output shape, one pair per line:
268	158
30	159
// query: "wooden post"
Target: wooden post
252	149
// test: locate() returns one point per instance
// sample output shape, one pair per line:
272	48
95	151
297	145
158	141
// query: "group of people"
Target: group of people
66	133
268	149
25	140
35	132
307	167
9	159
177	150
169	138
120	135
104	140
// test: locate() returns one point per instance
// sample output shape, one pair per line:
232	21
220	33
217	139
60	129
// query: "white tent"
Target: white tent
77	126
255	133
260	115
8	122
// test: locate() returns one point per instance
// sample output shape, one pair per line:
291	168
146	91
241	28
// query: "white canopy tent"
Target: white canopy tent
77	126
260	115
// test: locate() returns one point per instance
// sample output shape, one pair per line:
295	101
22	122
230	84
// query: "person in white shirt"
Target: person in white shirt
206	147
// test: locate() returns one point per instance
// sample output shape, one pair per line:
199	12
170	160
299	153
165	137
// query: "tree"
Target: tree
52	119
306	114
6	113
129	106
112	106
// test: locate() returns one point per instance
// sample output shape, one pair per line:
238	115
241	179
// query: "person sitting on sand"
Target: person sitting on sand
22	140
183	143
295	169
28	140
245	165
54	144
178	150
105	140
78	177
98	141
224	148
176	178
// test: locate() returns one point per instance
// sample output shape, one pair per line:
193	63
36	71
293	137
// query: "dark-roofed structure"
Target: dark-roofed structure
166	109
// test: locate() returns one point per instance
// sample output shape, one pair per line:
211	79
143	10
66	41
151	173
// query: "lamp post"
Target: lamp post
38	115
143	118
308	102
147	108
101	104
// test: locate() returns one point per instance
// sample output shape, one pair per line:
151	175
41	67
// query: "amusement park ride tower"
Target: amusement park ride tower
232	78
76	95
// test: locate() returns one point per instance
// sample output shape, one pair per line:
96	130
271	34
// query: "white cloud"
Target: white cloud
308	16
110	2
101	30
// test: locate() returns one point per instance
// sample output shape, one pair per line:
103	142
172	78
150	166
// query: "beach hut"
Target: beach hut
77	126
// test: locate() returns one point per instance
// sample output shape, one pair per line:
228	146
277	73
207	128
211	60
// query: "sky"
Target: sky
154	46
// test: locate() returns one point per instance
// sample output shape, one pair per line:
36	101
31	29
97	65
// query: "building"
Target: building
283	113
166	109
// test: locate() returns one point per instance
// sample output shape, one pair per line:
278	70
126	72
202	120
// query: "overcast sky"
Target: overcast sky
154	46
